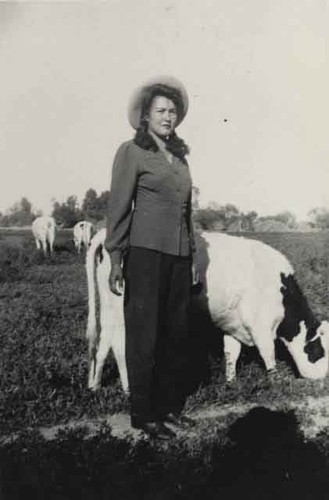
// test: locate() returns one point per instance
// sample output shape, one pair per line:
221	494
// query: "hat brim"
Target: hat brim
135	103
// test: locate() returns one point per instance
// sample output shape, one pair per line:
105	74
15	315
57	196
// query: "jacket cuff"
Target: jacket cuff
115	257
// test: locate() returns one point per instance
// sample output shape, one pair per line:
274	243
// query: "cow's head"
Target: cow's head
306	338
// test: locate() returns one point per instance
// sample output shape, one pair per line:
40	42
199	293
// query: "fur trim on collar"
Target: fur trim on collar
174	144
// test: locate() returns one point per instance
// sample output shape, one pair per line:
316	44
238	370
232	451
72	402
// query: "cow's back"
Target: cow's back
43	227
241	280
39	227
82	232
51	225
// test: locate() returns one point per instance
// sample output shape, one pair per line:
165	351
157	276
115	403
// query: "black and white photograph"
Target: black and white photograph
164	250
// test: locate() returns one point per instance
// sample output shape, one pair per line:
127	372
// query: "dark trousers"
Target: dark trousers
156	303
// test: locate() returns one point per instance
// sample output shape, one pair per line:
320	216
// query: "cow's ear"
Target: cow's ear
324	324
324	329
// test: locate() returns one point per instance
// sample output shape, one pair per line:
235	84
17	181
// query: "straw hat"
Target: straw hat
136	100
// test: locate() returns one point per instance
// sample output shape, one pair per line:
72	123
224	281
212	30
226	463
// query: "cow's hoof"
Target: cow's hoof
230	388
93	388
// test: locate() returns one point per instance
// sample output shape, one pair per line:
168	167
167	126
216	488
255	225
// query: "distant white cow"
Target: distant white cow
112	329
82	234
43	229
250	292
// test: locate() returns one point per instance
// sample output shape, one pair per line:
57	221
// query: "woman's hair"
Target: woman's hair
174	144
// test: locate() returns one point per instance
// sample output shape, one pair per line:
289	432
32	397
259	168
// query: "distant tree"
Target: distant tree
287	218
5	222
67	214
231	211
208	219
90	205
232	217
248	221
319	218
102	202
217	217
19	214
94	207
281	222
269	224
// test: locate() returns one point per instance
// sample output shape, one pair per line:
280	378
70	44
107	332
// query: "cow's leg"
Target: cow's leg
112	336
44	245
265	344
76	244
232	349
92	349
37	242
98	359
51	243
91	373
105	341
118	346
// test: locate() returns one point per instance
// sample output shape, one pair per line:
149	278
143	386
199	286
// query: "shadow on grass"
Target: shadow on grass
269	458
264	456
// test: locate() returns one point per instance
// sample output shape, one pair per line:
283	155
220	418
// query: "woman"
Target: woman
150	241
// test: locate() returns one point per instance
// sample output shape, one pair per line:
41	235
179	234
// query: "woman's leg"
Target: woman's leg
172	346
141	309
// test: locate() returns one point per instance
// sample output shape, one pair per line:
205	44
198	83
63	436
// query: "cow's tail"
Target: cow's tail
51	226
91	332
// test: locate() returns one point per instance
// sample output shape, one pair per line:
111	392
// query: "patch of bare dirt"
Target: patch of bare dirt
312	413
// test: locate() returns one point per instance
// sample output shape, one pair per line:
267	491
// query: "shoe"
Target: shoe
156	430
179	420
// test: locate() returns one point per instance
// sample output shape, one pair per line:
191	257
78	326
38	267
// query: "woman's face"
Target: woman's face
162	117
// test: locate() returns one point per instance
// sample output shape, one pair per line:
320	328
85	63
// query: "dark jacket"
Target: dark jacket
150	203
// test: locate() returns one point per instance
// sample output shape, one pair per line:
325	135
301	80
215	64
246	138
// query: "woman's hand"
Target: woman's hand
116	279
195	273
197	285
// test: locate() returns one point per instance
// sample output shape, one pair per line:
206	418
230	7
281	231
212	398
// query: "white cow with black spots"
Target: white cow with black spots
82	234
250	292
253	297
43	230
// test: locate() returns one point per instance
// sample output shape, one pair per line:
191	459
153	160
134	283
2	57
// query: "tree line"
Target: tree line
213	217
66	214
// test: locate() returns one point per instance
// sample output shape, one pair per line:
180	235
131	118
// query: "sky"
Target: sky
256	73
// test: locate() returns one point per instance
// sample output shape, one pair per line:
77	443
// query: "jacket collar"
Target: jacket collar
174	144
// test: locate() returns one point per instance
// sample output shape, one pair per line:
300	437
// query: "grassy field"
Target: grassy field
43	375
